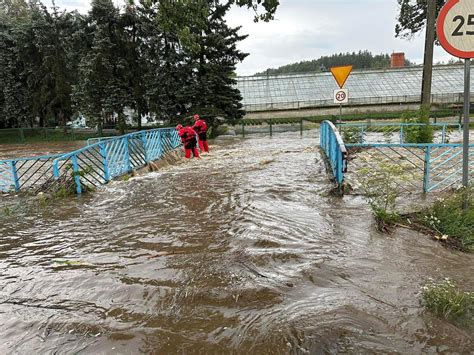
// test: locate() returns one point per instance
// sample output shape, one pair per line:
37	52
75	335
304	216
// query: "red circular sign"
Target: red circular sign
340	96
455	28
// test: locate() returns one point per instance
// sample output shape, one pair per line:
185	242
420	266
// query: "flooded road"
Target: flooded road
244	251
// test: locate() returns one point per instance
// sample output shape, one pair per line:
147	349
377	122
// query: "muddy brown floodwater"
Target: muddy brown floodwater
19	150
241	252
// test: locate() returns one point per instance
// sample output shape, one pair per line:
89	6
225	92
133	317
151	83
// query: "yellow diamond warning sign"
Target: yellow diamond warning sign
341	74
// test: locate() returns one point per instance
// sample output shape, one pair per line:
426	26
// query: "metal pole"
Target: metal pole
465	156
428	55
340	113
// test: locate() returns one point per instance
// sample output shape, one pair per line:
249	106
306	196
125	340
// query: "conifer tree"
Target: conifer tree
101	92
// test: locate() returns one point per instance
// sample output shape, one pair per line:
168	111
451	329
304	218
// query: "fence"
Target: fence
421	167
25	173
394	132
333	146
89	167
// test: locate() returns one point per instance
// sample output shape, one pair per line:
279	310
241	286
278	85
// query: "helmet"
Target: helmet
196	117
178	127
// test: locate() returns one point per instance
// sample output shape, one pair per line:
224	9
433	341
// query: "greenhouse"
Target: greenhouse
367	87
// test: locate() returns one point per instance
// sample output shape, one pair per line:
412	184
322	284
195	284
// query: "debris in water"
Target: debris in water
69	262
267	161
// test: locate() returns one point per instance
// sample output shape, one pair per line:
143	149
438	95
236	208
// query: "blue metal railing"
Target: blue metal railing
23	173
432	167
90	166
393	132
333	146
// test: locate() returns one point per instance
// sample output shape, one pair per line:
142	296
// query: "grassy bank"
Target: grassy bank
446	300
450	222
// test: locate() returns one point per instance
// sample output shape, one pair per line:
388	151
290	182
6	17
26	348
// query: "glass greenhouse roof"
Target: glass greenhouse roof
365	87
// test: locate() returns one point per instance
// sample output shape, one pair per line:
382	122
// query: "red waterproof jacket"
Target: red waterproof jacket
200	126
186	134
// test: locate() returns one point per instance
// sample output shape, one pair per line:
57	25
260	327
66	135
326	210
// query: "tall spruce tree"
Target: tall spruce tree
101	92
15	38
216	58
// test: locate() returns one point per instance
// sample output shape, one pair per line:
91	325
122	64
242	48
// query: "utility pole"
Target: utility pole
428	58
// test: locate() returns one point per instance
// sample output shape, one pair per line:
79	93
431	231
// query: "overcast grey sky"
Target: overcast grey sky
308	29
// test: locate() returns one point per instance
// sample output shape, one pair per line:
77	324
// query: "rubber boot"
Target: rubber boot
187	153
205	146
195	152
201	146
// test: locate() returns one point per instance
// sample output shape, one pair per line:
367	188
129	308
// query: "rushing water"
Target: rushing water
243	251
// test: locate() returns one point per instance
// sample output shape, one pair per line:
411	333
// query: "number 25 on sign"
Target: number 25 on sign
456	28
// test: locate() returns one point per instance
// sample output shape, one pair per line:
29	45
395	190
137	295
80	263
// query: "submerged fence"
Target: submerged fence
89	167
419	167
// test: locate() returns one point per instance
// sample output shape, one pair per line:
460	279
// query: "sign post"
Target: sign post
341	96
455	31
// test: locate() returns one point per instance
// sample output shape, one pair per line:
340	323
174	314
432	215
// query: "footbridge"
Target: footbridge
350	148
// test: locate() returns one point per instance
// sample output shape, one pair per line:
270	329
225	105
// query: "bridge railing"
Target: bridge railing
98	163
370	149
90	166
393	132
25	173
333	146
423	167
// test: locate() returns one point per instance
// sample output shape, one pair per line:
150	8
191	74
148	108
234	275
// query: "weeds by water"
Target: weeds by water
418	134
381	191
445	300
7	211
450	220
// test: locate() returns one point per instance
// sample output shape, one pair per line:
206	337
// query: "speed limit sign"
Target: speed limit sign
456	28
455	31
341	96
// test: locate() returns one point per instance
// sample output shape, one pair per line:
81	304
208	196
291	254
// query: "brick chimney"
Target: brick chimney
398	60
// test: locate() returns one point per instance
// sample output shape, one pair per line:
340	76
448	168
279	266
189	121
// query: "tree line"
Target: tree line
164	57
360	60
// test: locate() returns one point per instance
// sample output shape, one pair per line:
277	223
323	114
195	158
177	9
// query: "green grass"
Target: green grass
446	301
448	218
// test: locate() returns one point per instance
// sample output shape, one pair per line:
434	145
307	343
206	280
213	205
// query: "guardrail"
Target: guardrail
91	166
333	146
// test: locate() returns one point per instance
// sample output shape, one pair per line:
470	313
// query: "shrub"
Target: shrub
445	300
381	190
351	135
422	133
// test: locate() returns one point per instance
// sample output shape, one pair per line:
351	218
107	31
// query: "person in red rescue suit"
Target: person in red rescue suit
188	138
200	127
